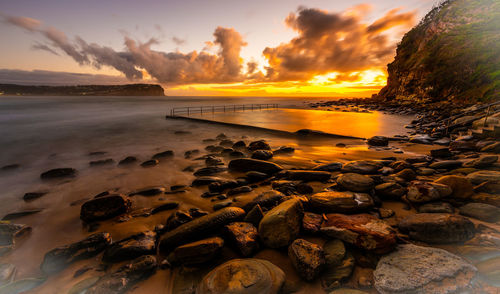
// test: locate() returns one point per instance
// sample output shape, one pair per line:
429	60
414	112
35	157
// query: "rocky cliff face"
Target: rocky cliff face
452	54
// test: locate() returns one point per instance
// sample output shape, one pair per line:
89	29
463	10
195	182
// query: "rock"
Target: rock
390	190
484	176
200	227
462	145
164	154
259	145
165	206
361	230
416	269
329	167
239	190
481	211
33	195
438	228
59	173
460	186
7	273
441	153
400	165
59	258
482	162
18	214
101	162
126	276
202	181
436	207
340	202
131	247
127	160
10	167
208	171
386	212
149	191
176	219
362	167
223	185
421	192
308	175
247	164
355	182
423	171
243	276
406	174
197	252
493	148
262	154
226	143
443	141
421	139
334	252
311	223
243	236
222	204
268	200
221	136
281	225
8	235
255	176
284	150
255	215
335	274
239	145
307	258
104	208
292	187
446	164
22	285
150	163
378	141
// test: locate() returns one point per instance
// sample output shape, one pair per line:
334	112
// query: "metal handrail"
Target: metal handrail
220	108
488	112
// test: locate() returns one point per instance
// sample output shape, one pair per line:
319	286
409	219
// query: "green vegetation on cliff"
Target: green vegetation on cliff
84	90
452	54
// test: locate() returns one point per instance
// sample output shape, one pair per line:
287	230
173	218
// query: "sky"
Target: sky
325	48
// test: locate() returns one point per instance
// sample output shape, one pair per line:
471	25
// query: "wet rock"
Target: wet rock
132	247
165	206
213	161
197	252
104	208
200	227
308	175
164	154
226	143
214	149
126	276
390	190
239	190
255	215
481	211
460	186
176	219
262	154
362	167
441	153
378	141
436	207
222	185
291	187
340	202
101	162
247	164
268	199
399	165
222	205
10	167
439	228
259	145
361	230
7	273
446	164
150	163
493	148
33	195
97	153
209	171
421	192
243	236
281	225
307	258
8	235
128	160
149	191
188	154
254	176
484	176
406	174
221	136
59	258
482	162
335	274
421	139
239	145
355	182
284	150
334	252
423	171
58	173
329	167
386	213
202	181
243	276
18	214
237	154
416	269
311	223
462	145
443	141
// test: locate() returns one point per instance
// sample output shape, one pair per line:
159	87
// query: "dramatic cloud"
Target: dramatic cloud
333	42
43	77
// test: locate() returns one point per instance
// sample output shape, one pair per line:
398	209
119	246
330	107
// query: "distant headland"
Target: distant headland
84	90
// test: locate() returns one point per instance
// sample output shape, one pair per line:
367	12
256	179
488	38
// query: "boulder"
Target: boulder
104	208
254	176
247	164
127	160
482	162
262	154
390	190
150	163
340	202
416	269
436	207
268	200
208	171
126	276
254	216
281	225
132	247
197	252
406	174
308	175
355	182
441	153
259	145
378	141
421	192
284	150
311	223
484	176
243	236
335	274
438	228
334	252
164	154
481	211
239	190
59	258
362	167
493	148
446	164
362	230
400	165
460	186
329	167
59	173
243	276
200	227
307	258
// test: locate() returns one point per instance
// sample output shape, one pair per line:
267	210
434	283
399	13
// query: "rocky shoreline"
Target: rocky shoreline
398	224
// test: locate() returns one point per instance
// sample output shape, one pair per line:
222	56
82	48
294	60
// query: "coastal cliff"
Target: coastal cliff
84	90
452	54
